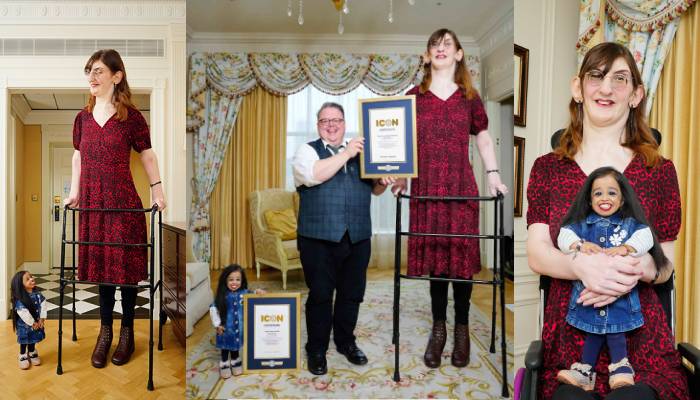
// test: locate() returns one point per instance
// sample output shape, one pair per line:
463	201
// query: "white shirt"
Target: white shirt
26	316
303	163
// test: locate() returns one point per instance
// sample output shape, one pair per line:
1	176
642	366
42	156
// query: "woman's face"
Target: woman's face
102	80
607	97
233	282
28	282
605	196
444	53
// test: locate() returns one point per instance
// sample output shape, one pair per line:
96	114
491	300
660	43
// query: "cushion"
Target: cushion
283	222
197	272
290	249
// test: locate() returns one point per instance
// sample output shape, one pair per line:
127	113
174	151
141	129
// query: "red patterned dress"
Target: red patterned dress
444	127
552	187
106	182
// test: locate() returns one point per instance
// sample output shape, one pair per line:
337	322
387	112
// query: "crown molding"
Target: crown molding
497	34
20	107
71	12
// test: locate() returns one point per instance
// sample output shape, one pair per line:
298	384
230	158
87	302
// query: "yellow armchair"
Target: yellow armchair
268	246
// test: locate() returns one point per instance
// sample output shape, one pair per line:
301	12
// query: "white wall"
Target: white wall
163	77
548	28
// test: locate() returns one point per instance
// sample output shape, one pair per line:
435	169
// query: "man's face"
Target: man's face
331	125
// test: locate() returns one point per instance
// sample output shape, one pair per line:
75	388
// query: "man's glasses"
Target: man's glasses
595	78
334	121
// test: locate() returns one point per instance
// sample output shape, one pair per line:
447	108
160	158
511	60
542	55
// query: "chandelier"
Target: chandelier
343	7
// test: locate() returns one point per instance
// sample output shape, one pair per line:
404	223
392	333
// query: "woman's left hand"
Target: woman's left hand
158	197
589	297
495	184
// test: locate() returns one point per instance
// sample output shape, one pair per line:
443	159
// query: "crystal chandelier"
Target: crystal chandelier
343	7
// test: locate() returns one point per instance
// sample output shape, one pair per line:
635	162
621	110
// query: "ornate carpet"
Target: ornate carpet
481	379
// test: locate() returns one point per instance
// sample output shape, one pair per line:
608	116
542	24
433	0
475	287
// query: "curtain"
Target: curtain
254	160
647	29
675	114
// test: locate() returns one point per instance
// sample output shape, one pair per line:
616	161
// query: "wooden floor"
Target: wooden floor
80	380
481	295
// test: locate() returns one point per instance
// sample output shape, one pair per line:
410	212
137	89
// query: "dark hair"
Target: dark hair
330	104
222	288
638	136
19	293
462	77
630	208
122	94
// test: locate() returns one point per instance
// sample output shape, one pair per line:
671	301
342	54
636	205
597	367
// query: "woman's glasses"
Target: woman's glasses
97	72
334	121
595	79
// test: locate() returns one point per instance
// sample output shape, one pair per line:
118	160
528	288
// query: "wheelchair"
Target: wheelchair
526	378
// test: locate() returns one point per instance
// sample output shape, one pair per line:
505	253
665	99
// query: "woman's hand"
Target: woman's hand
72	200
495	185
220	330
589	297
606	275
158	197
400	186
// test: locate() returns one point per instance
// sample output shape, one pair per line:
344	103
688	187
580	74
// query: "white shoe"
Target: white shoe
23	361
236	367
34	357
225	369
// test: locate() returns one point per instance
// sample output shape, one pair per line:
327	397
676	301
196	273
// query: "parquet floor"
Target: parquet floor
80	380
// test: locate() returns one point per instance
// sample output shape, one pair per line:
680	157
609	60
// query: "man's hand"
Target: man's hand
355	146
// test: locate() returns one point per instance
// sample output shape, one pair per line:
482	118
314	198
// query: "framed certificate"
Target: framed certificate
388	125
272	334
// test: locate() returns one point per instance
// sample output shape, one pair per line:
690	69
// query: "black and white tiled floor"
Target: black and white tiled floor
87	305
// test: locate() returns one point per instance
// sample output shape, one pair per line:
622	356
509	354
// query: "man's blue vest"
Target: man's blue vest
340	204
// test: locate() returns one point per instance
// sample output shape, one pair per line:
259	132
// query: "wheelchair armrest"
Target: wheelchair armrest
690	353
534	355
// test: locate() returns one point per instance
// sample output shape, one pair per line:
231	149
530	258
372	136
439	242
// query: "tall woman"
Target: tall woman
449	114
103	135
607	128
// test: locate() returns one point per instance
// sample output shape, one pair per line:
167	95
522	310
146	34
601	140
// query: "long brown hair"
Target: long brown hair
462	77
122	94
638	136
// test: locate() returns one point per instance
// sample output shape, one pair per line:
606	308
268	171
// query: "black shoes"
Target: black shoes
353	354
317	364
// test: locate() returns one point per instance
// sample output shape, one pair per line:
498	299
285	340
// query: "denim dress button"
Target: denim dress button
602	239
602	313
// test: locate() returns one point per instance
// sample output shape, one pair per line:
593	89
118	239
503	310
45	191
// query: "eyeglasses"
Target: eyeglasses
95	72
596	78
334	121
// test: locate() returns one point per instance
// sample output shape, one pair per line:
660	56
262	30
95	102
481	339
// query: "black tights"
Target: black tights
438	295
107	305
23	348
638	391
224	354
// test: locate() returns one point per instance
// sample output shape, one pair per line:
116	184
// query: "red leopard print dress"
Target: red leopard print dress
106	182
552	187
444	129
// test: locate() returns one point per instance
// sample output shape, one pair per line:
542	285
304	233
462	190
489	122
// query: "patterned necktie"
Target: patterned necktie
335	149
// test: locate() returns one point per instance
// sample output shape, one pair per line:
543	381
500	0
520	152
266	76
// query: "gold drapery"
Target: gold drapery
255	159
675	114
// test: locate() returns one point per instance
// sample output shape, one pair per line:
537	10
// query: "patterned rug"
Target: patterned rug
481	379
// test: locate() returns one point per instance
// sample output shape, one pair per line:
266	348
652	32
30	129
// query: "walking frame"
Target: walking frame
498	280
152	285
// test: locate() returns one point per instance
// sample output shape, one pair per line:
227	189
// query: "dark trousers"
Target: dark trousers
638	391
438	298
333	267
107	305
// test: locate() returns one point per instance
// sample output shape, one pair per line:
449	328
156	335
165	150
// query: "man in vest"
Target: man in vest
333	236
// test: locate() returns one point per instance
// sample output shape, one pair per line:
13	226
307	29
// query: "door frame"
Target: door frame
52	137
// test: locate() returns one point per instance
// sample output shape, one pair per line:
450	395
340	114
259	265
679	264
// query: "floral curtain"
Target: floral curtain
646	27
217	82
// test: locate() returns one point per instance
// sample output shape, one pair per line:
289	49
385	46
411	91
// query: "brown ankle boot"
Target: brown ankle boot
436	343
460	355
125	347
104	342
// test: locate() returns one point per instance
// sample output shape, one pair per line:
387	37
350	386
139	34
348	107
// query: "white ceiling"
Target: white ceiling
471	18
68	101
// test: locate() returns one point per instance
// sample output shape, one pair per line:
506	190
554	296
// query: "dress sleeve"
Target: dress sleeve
140	135
538	193
214	314
77	130
667	222
480	121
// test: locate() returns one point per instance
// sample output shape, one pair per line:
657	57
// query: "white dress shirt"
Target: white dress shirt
303	163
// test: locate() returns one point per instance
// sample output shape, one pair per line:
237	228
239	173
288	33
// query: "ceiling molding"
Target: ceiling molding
498	33
20	107
278	42
87	12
